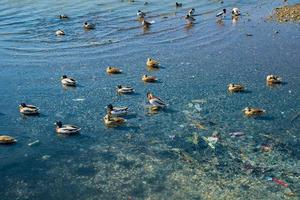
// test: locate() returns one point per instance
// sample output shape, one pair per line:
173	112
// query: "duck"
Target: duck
113	70
66	129
152	63
124	89
59	32
253	111
149	79
117	111
221	14
235	88
63	17
88	25
189	18
273	79
113	121
235	12
191	11
28	109
5	139
140	14
146	24
178	5
156	102
67	81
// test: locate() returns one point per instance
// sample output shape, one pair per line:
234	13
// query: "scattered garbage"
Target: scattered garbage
236	134
278	181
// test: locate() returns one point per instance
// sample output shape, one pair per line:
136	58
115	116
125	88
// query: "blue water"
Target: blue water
141	160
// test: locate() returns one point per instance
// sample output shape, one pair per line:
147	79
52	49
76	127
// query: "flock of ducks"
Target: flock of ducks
113	114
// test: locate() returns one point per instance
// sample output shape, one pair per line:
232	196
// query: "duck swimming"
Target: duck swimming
149	79
113	121
59	32
66	129
141	14
117	111
273	79
89	26
235	12
113	70
28	109
124	89
67	81
5	139
235	88
221	14
178	5
252	112
152	63
63	17
156	102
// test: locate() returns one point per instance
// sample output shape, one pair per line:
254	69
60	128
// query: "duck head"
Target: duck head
64	76
110	107
149	95
119	86
224	10
58	124
23	105
247	109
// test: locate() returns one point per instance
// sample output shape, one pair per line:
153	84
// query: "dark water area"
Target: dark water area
154	156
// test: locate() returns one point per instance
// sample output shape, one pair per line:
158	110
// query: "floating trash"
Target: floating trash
79	99
278	181
34	143
236	134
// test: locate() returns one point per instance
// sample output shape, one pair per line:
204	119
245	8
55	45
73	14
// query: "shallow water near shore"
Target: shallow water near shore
155	156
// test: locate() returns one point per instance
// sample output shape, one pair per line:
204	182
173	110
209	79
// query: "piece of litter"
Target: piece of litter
46	157
78	99
198	108
34	143
236	134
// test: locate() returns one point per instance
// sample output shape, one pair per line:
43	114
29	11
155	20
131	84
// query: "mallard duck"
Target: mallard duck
59	32
5	139
149	79
155	101
63	17
141	14
66	129
88	25
28	109
117	111
152	63
189	18
235	88
178	5
67	81
221	14
124	89
113	70
146	24
113	121
235	12
191	11
253	111
273	79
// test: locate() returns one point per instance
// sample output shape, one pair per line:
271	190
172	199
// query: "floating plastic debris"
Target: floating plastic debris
198	108
79	99
212	140
278	181
46	157
199	101
236	134
34	143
